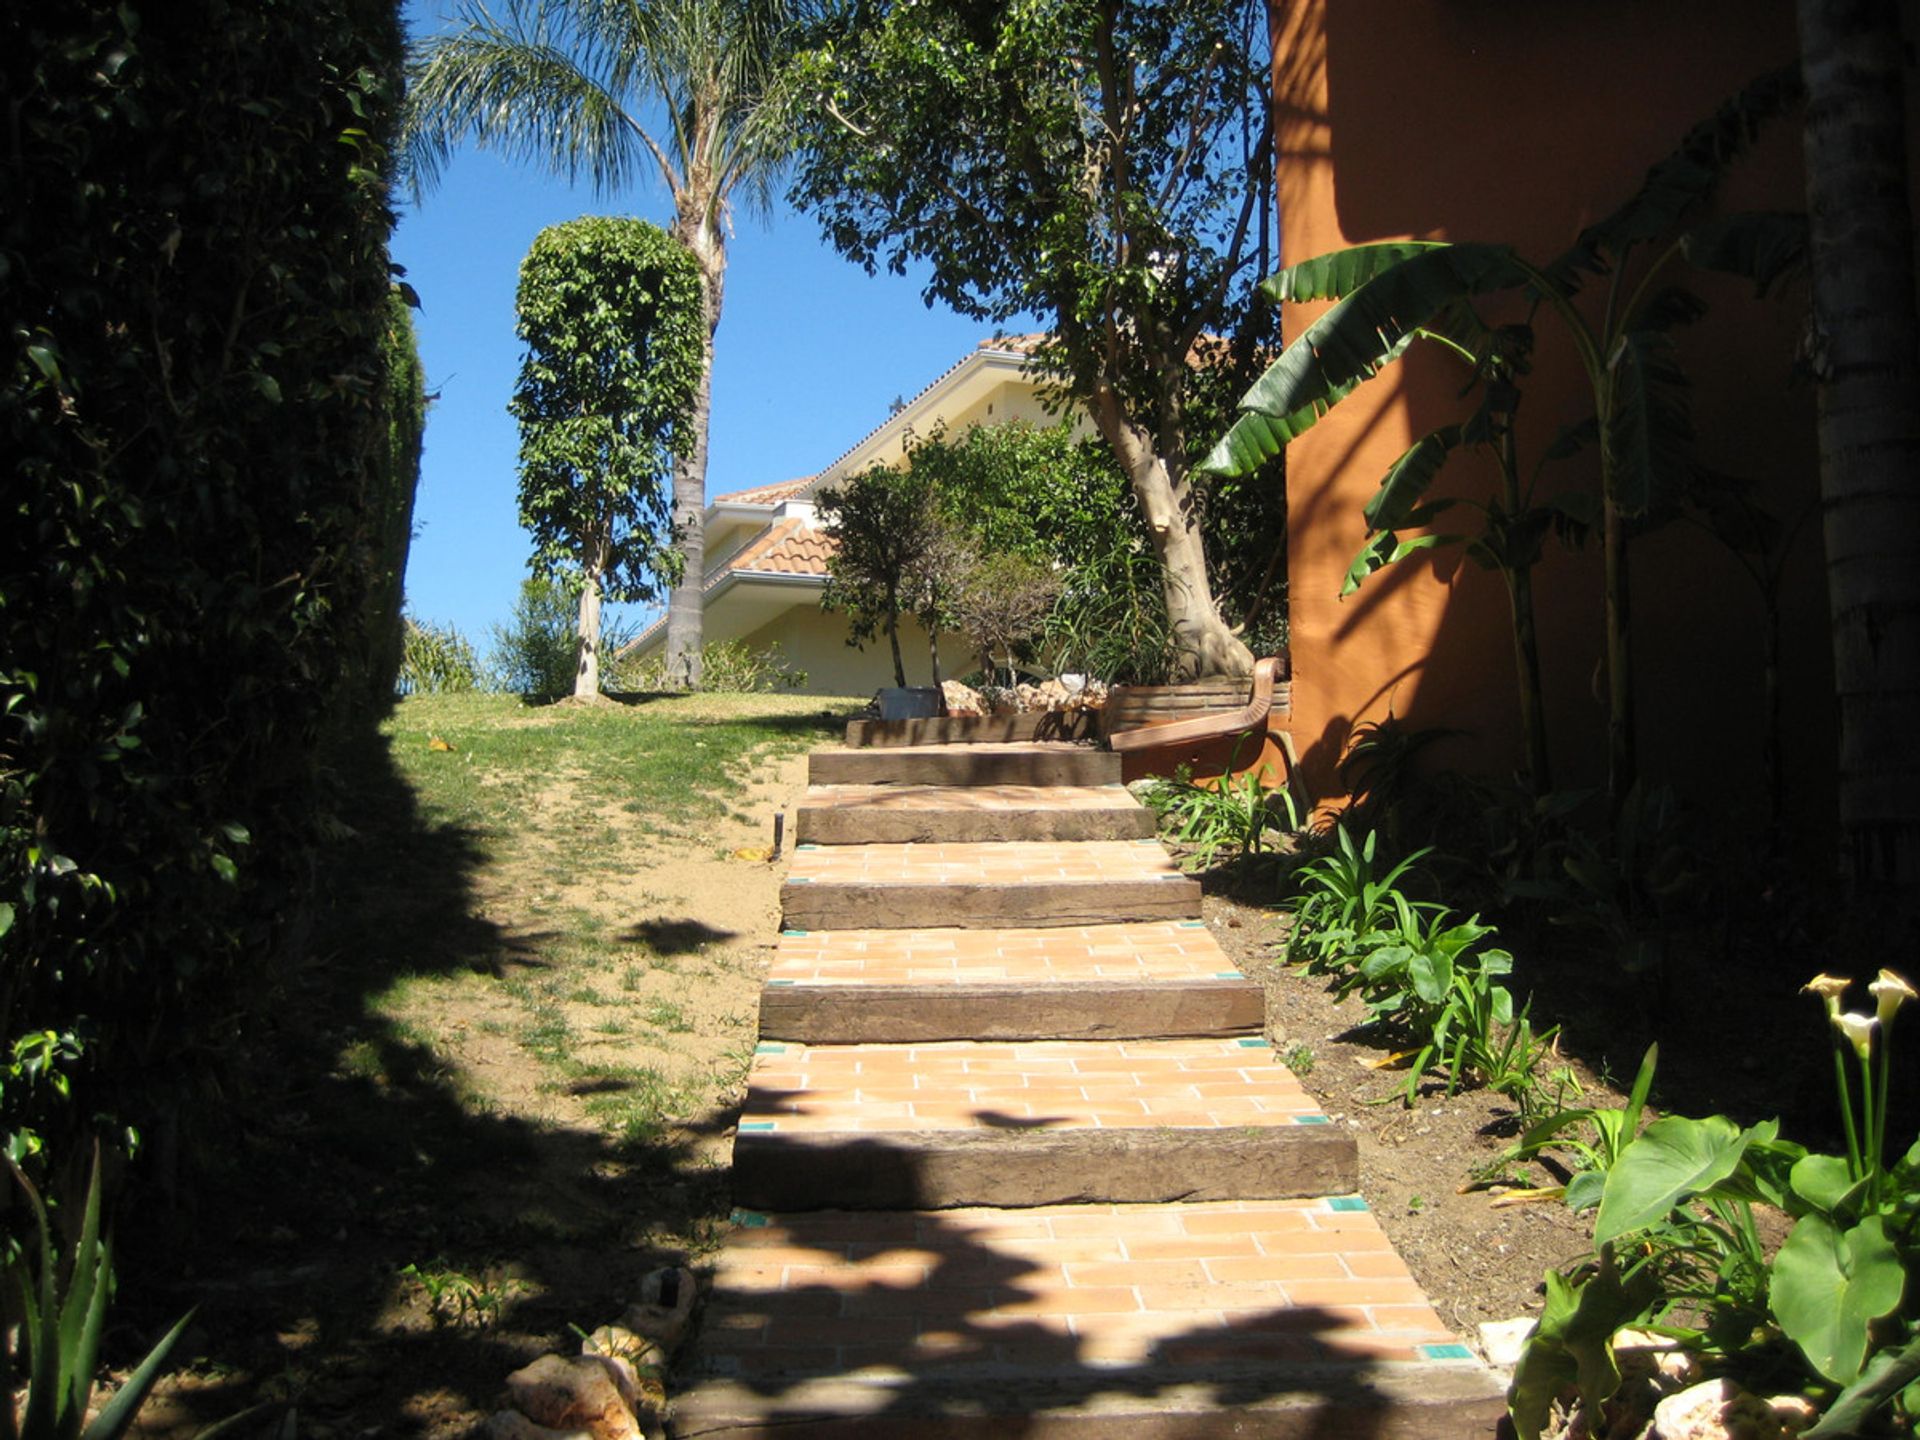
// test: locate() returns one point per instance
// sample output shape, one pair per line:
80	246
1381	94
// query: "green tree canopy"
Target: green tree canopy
610	313
1104	166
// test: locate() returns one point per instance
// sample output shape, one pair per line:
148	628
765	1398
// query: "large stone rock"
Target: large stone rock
575	1393
1716	1410
962	699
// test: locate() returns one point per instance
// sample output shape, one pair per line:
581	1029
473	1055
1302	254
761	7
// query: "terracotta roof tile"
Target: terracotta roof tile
767	494
786	547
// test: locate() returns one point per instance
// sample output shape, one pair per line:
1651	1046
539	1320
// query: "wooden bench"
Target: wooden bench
1218	725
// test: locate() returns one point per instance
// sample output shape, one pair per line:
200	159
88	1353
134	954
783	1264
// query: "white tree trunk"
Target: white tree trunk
1203	645
586	669
1867	358
686	602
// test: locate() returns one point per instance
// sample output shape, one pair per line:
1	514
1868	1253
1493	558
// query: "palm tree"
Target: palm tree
1867	359
694	92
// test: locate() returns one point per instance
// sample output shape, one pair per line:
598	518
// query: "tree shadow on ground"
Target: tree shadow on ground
676	937
955	1334
341	1150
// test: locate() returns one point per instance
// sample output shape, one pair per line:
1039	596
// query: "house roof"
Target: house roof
1000	349
786	547
767	494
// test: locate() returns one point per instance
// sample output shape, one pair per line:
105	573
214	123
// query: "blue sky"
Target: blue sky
810	352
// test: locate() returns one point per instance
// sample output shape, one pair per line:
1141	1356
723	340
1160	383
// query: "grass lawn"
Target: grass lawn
501	1086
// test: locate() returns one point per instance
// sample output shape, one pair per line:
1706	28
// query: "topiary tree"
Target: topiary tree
885	527
610	313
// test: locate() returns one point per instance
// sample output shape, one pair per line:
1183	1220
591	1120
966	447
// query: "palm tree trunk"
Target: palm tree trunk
686	602
1867	358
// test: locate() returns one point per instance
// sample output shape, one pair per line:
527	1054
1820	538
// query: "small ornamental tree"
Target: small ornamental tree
610	313
886	529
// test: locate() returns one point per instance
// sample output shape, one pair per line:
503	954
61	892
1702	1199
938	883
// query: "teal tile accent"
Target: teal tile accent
1313	1119
799	880
758	1124
1445	1352
749	1219
1228	975
1254	1044
769	1047
808	845
795	933
772	983
1193	924
1346	1202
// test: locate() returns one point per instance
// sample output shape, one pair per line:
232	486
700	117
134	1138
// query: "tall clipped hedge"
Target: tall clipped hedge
201	497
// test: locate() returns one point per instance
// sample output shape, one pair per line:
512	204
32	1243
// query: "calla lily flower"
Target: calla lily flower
1858	1030
1891	991
1829	988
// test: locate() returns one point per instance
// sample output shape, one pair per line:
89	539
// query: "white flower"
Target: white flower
1829	988
1858	1030
1891	991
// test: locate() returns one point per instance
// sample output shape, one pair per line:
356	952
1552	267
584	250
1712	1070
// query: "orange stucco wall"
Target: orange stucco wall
1520	122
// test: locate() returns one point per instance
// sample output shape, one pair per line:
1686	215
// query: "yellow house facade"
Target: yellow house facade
767	557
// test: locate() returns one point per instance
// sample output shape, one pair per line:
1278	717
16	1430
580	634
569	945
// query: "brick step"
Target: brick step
902	814
1089	982
1277	1320
984	885
1016	1124
975	729
1027	763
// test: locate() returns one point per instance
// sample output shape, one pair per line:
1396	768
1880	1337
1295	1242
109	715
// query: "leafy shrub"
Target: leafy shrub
536	651
1420	969
1225	813
729	666
204	484
436	660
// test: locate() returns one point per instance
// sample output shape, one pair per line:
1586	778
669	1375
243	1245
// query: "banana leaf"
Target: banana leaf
1686	178
1649	431
1366	330
1763	247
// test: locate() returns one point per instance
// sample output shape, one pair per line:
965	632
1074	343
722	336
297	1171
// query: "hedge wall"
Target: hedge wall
197	533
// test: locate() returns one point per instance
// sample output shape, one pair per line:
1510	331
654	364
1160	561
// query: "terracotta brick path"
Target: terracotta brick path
1279	1318
1148	950
1059	1084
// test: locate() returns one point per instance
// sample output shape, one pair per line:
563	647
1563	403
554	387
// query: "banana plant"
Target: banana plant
1391	296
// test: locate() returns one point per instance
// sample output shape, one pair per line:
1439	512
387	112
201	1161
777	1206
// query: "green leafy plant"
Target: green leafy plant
436	660
1592	1138
61	1308
1345	908
1676	1245
729	666
1430	980
1224	812
457	1300
1389	297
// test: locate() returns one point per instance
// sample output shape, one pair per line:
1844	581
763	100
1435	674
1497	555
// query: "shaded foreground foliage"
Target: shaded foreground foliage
211	410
